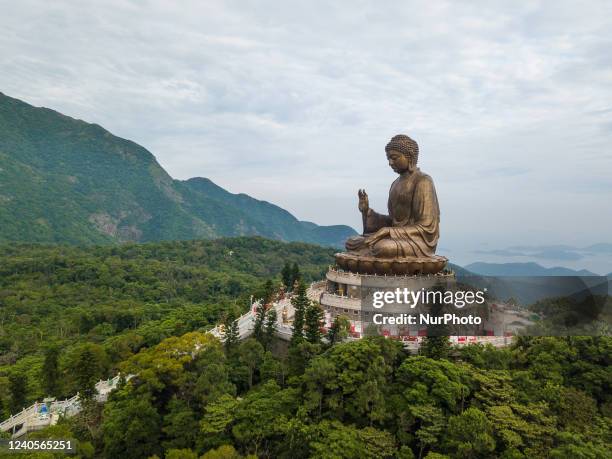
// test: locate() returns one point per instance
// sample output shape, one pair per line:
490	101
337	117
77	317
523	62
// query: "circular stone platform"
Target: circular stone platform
370	265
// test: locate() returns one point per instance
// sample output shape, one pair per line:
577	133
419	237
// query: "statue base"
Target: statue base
363	264
348	294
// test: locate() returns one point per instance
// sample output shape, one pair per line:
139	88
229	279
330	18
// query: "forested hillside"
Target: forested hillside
71	315
544	397
65	180
116	300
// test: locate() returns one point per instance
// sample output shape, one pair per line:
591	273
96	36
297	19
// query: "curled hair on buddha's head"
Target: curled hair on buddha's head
404	145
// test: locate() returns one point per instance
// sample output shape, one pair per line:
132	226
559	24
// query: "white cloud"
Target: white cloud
293	102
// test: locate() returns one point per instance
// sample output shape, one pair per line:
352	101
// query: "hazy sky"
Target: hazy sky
293	102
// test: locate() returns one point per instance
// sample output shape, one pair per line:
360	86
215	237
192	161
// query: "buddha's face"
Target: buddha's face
399	162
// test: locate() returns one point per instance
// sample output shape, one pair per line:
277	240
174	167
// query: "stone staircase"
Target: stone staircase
41	414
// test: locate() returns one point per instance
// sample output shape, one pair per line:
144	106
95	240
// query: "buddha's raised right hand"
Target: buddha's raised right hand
364	204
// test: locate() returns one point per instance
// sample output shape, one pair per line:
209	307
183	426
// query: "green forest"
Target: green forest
72	315
115	300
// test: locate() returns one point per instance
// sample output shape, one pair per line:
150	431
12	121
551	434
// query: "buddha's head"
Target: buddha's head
402	153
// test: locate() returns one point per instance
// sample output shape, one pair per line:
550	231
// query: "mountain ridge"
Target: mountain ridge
523	269
65	180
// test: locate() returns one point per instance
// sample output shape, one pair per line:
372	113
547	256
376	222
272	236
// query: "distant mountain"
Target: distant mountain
459	270
522	269
65	180
599	248
530	282
560	253
265	218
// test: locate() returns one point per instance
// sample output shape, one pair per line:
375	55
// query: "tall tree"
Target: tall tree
435	347
231	333
318	377
338	330
270	327
180	426
50	371
313	321
250	354
268	292
300	303
431	423
261	416
258	327
296	276
131	427
335	439
86	374
287	277
18	388
299	356
470	434
270	368
217	419
213	380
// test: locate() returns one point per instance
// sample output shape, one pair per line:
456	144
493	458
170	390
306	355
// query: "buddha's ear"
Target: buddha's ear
411	164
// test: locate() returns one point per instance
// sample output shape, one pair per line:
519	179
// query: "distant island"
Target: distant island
523	269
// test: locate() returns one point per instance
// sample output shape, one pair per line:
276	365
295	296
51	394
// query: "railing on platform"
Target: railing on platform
349	273
31	418
339	301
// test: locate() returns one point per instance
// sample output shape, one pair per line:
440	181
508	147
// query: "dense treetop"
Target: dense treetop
118	299
70	315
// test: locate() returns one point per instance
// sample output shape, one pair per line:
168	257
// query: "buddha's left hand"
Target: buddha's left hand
382	233
355	242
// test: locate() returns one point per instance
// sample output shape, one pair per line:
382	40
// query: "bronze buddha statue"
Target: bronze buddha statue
405	240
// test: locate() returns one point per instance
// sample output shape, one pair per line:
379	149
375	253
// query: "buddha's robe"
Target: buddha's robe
413	220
